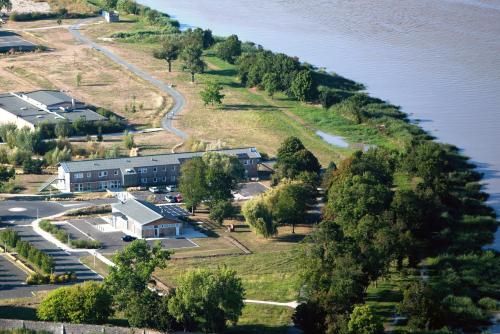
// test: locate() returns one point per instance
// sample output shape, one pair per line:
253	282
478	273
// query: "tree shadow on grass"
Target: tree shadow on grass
233	107
290	237
224	73
18	312
257	329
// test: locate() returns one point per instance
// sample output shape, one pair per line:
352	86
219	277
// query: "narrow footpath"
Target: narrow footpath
179	101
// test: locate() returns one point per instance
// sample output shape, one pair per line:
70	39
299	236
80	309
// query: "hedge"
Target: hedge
32	255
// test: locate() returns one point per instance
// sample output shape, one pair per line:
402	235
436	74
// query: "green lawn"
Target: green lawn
265	276
263	319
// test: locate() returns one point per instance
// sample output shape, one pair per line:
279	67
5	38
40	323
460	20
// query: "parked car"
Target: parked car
170	199
155	190
128	238
179	198
171	188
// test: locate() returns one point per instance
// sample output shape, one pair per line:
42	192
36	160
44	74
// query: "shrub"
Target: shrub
84	243
83	303
489	304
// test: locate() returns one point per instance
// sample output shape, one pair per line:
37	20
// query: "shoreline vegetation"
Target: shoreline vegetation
405	222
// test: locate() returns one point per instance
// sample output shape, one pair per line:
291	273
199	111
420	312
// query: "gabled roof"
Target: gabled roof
150	160
140	211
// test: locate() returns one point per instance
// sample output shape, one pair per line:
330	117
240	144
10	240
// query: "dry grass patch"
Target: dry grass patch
103	84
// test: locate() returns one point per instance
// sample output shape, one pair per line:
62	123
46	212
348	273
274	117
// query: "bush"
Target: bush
34	16
65	237
91	210
33	166
489	304
83	303
38	279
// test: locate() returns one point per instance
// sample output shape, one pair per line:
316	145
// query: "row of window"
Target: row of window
144	170
104	173
158	179
103	185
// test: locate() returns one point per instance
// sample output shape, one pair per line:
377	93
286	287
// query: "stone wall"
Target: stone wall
61	328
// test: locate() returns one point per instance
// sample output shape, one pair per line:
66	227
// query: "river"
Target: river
438	59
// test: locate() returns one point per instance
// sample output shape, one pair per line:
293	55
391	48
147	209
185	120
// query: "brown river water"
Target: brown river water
438	59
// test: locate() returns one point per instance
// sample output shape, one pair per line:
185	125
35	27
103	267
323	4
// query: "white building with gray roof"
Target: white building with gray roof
43	106
150	170
142	219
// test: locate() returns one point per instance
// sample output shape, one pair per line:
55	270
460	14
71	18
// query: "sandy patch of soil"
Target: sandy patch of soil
26	6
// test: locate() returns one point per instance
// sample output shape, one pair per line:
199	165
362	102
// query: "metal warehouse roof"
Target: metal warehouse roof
150	160
141	211
14	104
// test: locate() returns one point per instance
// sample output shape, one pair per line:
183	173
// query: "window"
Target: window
247	162
103	185
143	170
144	180
155	170
155	180
79	176
174	168
114	184
164	169
103	173
116	172
79	187
164	179
172	178
89	174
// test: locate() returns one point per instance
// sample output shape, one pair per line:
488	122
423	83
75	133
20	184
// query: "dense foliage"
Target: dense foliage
89	302
207	300
372	222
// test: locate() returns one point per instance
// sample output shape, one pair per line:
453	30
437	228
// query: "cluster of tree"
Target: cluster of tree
35	257
372	222
211	178
187	46
5	4
285	204
295	180
82	127
28	149
206	300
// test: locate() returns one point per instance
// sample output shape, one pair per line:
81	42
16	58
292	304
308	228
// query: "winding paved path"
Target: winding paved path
179	101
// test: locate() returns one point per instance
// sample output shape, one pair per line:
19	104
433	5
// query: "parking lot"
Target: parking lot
98	229
11	41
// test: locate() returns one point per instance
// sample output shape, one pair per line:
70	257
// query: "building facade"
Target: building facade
153	170
143	220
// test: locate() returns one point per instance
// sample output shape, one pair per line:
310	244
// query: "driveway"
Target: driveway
179	101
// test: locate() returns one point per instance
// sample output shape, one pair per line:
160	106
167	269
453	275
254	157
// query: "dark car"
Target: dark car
170	199
128	238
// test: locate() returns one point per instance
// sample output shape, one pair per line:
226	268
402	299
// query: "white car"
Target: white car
170	188
154	190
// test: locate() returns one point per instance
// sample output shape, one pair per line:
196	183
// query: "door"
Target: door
157	231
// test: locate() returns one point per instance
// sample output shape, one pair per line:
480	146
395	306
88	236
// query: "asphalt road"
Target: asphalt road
179	101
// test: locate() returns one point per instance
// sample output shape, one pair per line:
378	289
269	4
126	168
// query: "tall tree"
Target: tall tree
191	59
169	50
229	49
271	83
208	299
293	158
364	321
301	86
132	271
212	94
192	183
5	4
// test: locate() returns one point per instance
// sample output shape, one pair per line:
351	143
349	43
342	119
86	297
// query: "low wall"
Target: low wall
61	328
